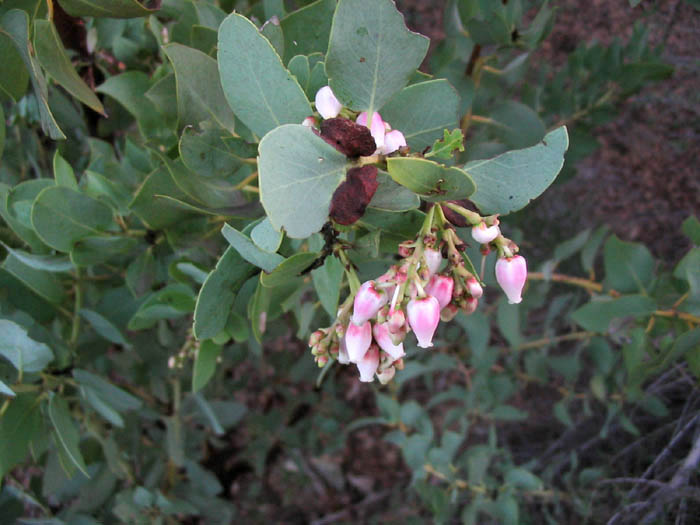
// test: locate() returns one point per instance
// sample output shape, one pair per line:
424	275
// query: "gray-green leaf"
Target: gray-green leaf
299	172
371	53
22	351
510	181
261	92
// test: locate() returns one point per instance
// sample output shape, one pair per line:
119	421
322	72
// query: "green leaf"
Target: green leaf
597	315
327	280
422	112
213	193
129	89
510	181
523	479
517	125
105	327
307	30
62	216
65	432
109	8
288	270
154	212
171	302
20	425
273	32
266	237
590	250
208	412
205	364
371	54
261	92
22	228
391	196
5	390
508	413
629	267
44	284
268	261
14	77
15	26
297	166
432	181
47	263
141	273
211	154
118	398
52	57
218	293
691	228
2	131
199	93
443	148
90	251
23	352
63	172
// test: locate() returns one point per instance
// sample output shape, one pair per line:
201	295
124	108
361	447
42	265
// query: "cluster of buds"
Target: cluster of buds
386	139
412	296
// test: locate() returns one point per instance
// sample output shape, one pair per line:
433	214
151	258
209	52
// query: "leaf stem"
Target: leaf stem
537	343
250	178
592	286
78	304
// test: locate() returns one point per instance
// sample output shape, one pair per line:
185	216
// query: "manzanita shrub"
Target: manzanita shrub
194	190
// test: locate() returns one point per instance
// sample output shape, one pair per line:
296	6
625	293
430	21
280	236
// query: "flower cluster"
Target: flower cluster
386	139
432	282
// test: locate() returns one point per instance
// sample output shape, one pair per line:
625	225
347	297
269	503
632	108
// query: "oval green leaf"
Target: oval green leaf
261	92
432	181
371	53
510	181
299	172
62	216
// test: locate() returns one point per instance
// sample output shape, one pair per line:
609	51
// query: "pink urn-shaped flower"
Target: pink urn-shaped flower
424	317
474	288
326	103
383	339
367	303
368	364
357	340
433	259
393	141
485	234
440	287
511	274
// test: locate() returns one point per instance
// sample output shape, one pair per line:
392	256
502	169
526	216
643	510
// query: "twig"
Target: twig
343	514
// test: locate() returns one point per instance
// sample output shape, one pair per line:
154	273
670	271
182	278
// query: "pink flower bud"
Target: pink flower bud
469	305
343	358
386	375
316	337
357	340
367	303
393	141
440	287
322	360
368	364
396	321
309	122
511	274
326	103
485	234
377	128
433	260
448	313
383	339
474	288
424	316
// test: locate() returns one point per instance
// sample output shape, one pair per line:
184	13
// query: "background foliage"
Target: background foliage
151	372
